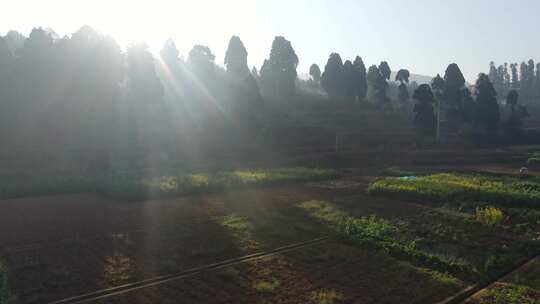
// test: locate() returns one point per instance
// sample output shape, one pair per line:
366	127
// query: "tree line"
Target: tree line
523	78
83	91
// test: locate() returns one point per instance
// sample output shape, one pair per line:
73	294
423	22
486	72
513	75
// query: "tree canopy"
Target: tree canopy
278	73
333	76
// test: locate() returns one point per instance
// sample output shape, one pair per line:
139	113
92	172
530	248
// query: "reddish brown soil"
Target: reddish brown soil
60	246
359	276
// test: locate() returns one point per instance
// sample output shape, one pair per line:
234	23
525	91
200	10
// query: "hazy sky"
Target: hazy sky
423	36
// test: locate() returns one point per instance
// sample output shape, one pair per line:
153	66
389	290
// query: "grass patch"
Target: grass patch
385	236
327	296
489	216
139	187
236	223
266	286
510	192
510	294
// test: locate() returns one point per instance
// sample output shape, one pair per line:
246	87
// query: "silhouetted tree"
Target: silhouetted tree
201	61
454	83
527	81
425	119
507	78
169	53
174	77
315	73
378	85
537	82
247	99
278	74
360	79
487	108
236	58
333	76
15	41
385	70
403	93
515	78
349	84
497	77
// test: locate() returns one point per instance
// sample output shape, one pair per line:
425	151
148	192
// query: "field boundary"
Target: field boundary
123	289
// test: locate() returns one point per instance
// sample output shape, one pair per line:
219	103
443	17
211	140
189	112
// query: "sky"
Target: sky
423	36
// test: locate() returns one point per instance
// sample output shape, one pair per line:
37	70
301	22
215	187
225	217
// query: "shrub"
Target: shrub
489	216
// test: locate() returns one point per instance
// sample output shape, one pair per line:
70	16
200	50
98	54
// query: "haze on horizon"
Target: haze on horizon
422	36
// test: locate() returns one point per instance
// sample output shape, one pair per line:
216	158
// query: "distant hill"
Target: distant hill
420	79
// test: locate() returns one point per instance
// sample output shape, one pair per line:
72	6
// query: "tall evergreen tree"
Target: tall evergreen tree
496	75
332	79
403	93
248	101
493	74
360	78
438	85
454	83
524	80
515	77
385	70
507	77
236	58
201	61
378	85
170	56
278	74
349	84
15	41
425	119
531	90
315	73
487	108
537	83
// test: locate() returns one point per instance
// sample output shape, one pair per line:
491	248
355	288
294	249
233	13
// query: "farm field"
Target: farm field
349	246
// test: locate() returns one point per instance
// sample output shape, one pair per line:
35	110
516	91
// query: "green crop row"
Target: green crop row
382	235
137	187
504	191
